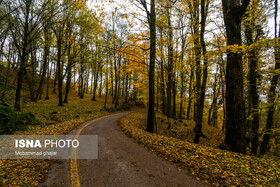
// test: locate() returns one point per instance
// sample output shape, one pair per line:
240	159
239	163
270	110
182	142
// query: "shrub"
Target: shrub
11	121
125	107
28	118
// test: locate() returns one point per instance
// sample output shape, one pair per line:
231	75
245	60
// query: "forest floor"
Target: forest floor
184	129
209	164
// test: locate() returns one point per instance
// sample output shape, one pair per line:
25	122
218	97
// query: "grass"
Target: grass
208	164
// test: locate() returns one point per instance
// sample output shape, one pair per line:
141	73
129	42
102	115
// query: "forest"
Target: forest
212	64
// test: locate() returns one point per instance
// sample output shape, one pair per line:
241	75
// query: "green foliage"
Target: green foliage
28	118
2	84
125	107
212	166
9	121
109	109
12	121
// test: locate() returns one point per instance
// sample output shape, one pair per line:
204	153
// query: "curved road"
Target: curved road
121	162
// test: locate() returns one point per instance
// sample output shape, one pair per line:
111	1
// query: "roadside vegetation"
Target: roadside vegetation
206	163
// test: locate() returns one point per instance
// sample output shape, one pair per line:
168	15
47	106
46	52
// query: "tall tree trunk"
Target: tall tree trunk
48	80
86	82
69	74
23	57
235	105
68	83
2	99
31	79
170	66
190	94
100	87
215	115
95	85
182	96
182	76
126	88
106	80
272	90
82	81
197	46
163	98
214	101
55	81
116	84
45	63
59	72
201	92
112	80
174	86
253	91
20	75
91	84
174	89
151	121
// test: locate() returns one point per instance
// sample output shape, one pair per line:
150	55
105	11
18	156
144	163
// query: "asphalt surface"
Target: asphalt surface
121	162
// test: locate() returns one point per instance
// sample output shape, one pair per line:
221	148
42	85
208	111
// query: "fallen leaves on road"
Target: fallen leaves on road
212	166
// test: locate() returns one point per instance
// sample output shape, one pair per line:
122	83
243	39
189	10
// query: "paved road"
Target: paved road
121	162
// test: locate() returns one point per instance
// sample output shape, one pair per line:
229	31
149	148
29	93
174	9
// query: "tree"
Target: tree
45	60
170	63
151	16
26	22
201	87
253	33
272	90
58	28
233	11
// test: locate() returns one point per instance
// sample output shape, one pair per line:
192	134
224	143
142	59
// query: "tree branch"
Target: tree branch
244	6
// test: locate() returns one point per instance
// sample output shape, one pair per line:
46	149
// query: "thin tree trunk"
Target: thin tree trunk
31	79
55	81
59	74
162	73
91	84
197	46
106	80
170	66
100	87
95	86
45	64
126	88
2	100
253	92
69	75
48	79
23	59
